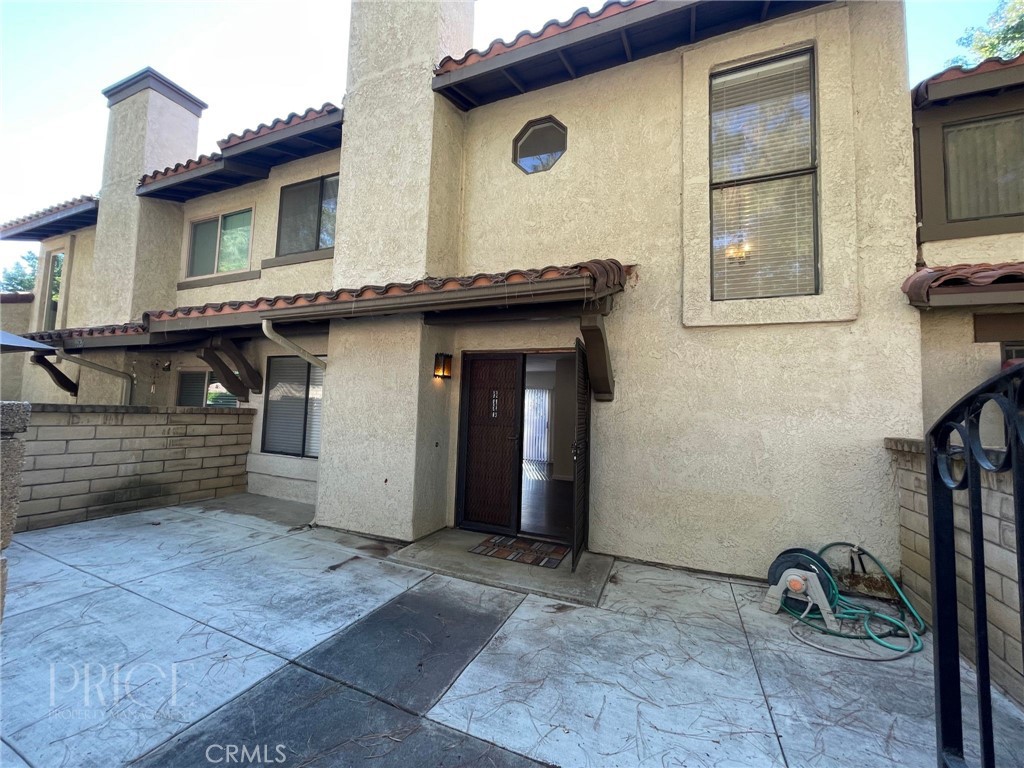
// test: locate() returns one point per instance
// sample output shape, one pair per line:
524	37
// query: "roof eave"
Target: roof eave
44	227
973	296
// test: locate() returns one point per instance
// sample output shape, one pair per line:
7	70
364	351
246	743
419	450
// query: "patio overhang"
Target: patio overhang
966	285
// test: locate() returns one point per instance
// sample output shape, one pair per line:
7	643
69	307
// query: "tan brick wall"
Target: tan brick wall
88	461
1001	575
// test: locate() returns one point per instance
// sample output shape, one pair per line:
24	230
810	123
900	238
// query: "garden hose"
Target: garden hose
848	610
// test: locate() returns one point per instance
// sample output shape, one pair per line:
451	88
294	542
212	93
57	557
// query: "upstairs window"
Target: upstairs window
200	389
308	214
538	146
292	407
52	286
984	168
220	245
764	181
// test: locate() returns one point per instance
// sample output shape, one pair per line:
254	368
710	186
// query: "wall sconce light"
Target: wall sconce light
442	366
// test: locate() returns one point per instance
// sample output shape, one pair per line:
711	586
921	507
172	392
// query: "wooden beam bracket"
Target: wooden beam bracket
599	361
247	373
56	375
232	383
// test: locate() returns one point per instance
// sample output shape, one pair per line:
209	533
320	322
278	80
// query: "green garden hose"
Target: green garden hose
847	610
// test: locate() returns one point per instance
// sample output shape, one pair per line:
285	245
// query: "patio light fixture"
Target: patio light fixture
442	366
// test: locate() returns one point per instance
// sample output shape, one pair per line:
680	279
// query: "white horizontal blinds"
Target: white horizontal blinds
763	239
314	411
285	406
192	388
985	168
763	181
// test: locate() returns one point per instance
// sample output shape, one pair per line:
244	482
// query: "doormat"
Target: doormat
522	550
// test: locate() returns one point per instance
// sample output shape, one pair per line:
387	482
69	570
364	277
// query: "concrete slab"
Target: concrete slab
35	580
128	547
296	717
9	758
100	678
364	545
447	552
667	593
247	508
284	596
410	651
584	686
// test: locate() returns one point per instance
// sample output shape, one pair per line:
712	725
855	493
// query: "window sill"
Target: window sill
298	258
227	277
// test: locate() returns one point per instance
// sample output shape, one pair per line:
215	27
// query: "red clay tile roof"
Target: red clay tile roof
959	72
235	139
124	329
608	275
51	210
277	124
554	27
920	284
188	165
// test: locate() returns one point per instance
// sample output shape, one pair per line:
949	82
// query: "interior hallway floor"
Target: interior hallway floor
173	632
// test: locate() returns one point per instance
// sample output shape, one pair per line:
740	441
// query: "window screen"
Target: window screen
308	215
292	409
763	181
985	168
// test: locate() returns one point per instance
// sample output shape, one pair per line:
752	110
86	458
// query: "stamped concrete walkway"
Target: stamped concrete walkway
193	636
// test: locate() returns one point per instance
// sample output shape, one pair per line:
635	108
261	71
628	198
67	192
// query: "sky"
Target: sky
250	60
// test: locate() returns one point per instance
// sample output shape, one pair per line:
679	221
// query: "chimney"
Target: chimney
401	158
153	123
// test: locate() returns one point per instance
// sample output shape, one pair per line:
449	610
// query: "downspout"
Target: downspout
126	389
277	338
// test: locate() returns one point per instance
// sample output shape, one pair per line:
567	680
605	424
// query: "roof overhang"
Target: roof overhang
46	225
991	77
639	32
966	285
975	295
249	160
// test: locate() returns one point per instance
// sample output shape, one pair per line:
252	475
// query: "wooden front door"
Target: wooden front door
490	448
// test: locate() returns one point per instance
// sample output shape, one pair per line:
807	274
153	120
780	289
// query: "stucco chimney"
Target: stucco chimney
401	157
153	123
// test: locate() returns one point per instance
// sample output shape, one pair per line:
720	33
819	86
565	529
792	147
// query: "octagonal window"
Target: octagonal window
539	145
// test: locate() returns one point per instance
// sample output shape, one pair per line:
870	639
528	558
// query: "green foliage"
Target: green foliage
20	276
1003	36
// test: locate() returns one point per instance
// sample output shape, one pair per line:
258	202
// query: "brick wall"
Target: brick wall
1000	560
89	461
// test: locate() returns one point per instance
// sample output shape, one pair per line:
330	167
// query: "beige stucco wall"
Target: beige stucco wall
402	153
991	249
723	444
135	238
14	318
264	198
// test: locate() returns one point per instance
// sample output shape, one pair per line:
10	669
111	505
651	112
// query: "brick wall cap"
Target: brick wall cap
62	408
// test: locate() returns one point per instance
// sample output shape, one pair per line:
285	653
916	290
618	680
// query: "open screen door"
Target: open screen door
581	458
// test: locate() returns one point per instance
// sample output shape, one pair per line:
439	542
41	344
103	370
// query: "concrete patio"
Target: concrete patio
181	636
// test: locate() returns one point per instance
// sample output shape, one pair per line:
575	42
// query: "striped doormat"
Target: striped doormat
520	550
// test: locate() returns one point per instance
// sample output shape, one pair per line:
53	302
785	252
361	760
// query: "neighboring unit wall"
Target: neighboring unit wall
725	443
264	277
84	462
1001	575
15	316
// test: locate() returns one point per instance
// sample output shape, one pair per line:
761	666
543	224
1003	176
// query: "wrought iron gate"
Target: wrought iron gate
953	439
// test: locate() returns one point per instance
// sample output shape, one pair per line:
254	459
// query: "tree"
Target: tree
20	276
1003	36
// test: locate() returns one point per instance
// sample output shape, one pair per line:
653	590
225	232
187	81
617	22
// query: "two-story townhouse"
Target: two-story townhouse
726	188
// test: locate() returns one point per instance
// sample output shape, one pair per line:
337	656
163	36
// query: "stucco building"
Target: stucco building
727	193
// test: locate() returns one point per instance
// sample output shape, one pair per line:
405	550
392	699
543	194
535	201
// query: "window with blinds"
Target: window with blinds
200	389
292	409
764	181
984	168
